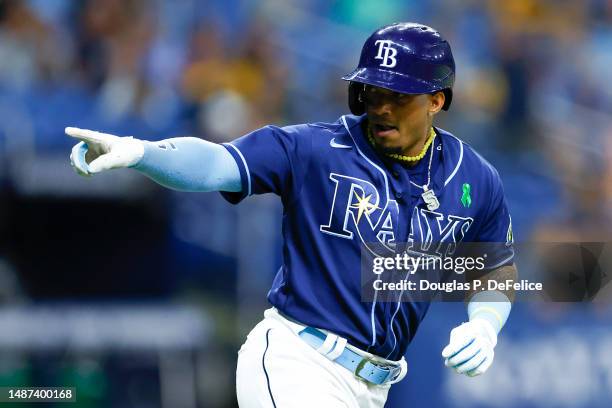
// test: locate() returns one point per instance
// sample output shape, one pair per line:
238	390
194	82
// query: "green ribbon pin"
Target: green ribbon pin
466	200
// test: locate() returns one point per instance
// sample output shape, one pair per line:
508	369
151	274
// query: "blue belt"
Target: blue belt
362	367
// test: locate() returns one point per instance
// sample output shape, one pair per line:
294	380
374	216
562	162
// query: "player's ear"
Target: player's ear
436	102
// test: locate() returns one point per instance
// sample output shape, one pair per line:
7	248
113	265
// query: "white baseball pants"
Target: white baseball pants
277	369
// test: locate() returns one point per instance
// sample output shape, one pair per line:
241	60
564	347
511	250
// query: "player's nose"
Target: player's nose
381	107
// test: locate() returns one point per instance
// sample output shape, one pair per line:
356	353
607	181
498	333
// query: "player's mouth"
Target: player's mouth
383	130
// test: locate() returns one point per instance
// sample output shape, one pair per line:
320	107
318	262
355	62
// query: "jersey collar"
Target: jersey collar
451	157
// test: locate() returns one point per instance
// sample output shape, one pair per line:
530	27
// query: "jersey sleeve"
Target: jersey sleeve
271	160
496	231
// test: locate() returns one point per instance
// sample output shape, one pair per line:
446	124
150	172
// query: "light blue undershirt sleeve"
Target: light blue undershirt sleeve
492	306
190	164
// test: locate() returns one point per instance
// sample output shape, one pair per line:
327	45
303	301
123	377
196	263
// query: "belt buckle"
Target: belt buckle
394	371
361	366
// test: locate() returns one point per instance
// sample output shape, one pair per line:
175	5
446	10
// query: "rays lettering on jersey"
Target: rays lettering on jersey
433	233
357	208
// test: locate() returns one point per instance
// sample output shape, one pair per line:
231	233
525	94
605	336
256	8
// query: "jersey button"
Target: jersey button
399	194
395	174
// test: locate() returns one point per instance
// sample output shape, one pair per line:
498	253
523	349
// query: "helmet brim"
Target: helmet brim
393	81
388	80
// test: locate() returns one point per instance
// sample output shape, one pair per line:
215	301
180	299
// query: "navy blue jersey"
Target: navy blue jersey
324	173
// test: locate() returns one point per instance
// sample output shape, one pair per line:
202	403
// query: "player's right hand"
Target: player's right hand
97	151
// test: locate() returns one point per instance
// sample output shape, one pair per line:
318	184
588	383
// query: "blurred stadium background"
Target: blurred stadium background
140	296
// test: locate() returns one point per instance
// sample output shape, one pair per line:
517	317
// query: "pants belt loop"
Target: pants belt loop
338	349
328	344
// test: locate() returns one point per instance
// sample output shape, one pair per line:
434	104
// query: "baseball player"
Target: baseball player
383	175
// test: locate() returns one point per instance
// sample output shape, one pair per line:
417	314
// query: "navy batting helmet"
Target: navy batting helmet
407	58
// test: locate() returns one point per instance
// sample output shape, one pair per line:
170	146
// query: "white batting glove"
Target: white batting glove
97	151
470	349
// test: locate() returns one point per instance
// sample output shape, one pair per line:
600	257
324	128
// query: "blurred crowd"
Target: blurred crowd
158	67
531	94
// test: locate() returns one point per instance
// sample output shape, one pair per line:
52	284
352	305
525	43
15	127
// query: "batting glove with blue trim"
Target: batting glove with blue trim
97	151
470	349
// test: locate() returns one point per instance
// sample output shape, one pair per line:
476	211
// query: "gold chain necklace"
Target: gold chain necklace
432	135
429	196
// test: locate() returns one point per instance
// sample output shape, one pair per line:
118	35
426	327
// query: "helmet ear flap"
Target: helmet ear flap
355	103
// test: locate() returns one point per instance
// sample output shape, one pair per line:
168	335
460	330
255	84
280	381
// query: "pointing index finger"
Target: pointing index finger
88	135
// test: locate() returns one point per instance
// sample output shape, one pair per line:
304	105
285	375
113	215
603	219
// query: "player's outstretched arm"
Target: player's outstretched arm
470	348
184	163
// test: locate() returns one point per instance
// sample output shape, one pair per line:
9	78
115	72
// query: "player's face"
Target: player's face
400	122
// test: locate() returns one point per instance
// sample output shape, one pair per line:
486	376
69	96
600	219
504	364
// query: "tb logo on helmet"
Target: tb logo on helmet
386	53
